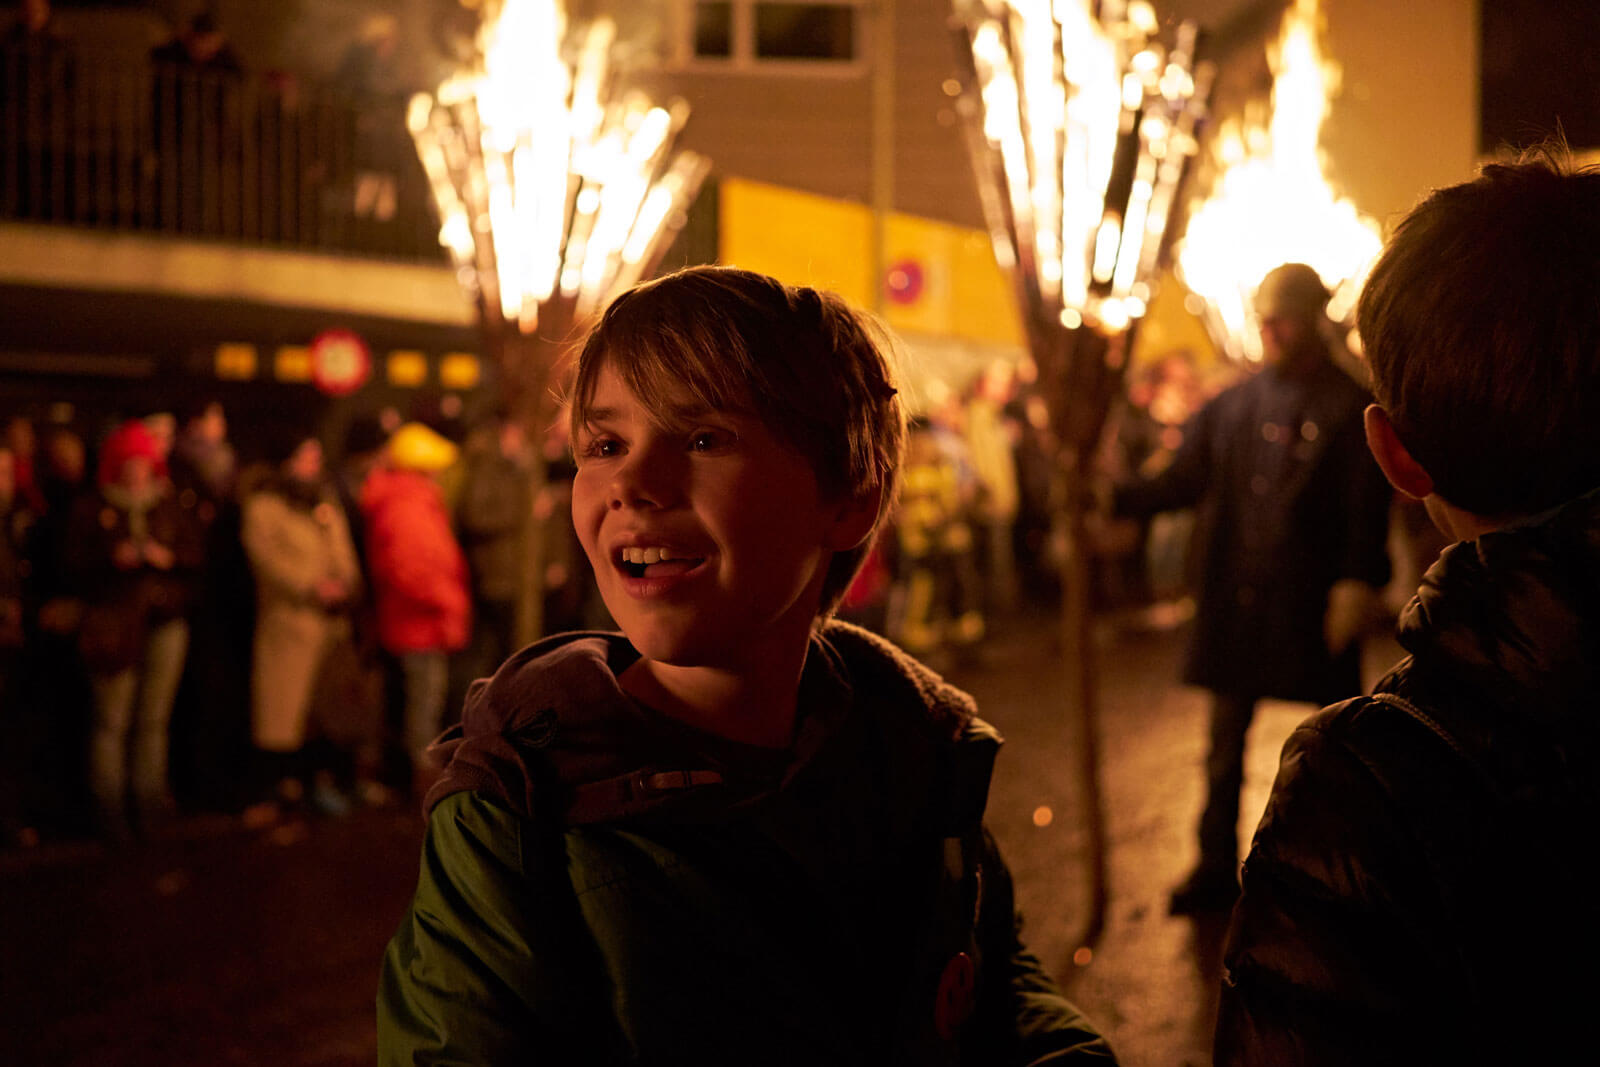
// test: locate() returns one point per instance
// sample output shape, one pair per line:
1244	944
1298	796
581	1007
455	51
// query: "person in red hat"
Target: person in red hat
132	552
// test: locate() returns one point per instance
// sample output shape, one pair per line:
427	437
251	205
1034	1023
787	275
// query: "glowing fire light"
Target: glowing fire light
1272	203
1059	92
548	188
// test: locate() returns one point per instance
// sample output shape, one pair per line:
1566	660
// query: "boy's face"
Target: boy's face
734	534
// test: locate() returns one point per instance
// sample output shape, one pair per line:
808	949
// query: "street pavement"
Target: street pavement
225	945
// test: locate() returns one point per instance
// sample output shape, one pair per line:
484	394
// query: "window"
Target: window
713	31
769	34
805	31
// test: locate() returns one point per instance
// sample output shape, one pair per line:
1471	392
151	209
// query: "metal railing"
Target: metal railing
169	150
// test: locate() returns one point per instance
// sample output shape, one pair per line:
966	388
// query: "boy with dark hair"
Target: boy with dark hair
1415	892
736	832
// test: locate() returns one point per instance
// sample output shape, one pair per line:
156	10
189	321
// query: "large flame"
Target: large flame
545	184
1272	203
1061	88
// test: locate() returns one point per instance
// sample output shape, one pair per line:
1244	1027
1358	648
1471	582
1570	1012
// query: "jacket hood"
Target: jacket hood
1514	617
384	483
560	699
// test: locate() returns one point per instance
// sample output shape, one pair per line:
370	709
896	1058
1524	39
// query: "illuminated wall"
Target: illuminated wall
942	279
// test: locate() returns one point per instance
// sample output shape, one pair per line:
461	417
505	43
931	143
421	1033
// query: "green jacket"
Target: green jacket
602	886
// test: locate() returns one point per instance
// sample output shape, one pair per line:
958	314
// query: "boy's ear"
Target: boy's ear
1397	464
854	519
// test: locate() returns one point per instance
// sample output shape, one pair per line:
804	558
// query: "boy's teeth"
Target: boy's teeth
646	555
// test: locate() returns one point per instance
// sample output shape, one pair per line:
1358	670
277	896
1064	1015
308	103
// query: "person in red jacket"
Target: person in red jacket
419	577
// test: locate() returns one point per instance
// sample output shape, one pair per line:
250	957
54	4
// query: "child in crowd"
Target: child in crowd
736	832
1417	891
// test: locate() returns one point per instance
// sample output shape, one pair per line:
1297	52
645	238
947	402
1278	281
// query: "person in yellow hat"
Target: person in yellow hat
419	577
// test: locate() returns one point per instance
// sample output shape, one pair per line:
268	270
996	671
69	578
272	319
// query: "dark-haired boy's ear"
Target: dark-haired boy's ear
854	520
1396	462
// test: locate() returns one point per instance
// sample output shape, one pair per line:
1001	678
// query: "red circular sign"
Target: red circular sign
341	363
904	281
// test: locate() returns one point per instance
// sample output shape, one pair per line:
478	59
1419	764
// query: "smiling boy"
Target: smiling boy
736	832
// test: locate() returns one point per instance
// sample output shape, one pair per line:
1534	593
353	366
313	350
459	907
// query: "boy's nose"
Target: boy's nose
646	479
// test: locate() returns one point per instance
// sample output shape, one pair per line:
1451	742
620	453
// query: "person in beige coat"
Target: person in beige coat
307	581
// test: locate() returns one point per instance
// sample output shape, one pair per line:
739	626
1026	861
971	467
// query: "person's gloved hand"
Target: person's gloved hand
1350	605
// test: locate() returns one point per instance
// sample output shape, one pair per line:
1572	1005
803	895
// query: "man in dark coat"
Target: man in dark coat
1417	891
1293	518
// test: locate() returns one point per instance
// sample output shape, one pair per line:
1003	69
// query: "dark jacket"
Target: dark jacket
1288	502
493	515
710	903
121	603
1416	890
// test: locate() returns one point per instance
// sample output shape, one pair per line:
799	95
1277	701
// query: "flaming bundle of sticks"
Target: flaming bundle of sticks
554	190
1079	128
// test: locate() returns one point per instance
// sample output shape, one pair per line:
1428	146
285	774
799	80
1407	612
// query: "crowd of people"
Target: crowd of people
181	628
177	609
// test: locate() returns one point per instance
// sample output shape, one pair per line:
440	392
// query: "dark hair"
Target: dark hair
798	359
1481	323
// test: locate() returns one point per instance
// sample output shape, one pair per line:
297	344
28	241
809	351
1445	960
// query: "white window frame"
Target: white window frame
743	40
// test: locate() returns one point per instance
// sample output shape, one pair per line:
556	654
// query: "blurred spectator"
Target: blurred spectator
37	76
1038	567
866	600
367	79
163	426
211	720
203	461
132	553
35	24
991	441
14	520
940	596
1293	516
202	46
421	591
1144	558
570	594
493	516
22	442
55	685
194	125
307	584
445	415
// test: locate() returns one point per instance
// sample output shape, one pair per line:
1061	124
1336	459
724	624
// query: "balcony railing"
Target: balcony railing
168	150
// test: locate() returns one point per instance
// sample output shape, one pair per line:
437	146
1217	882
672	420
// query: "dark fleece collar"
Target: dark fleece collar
553	717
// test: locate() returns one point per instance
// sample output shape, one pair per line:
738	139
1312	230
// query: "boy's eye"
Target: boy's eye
600	447
706	440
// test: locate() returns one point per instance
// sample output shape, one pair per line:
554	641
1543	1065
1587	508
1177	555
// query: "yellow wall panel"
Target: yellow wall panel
984	303
805	239
797	238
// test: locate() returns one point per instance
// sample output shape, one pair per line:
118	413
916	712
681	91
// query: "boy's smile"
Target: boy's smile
708	537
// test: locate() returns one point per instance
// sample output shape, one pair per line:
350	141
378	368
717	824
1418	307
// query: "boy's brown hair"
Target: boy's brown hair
1481	323
815	372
